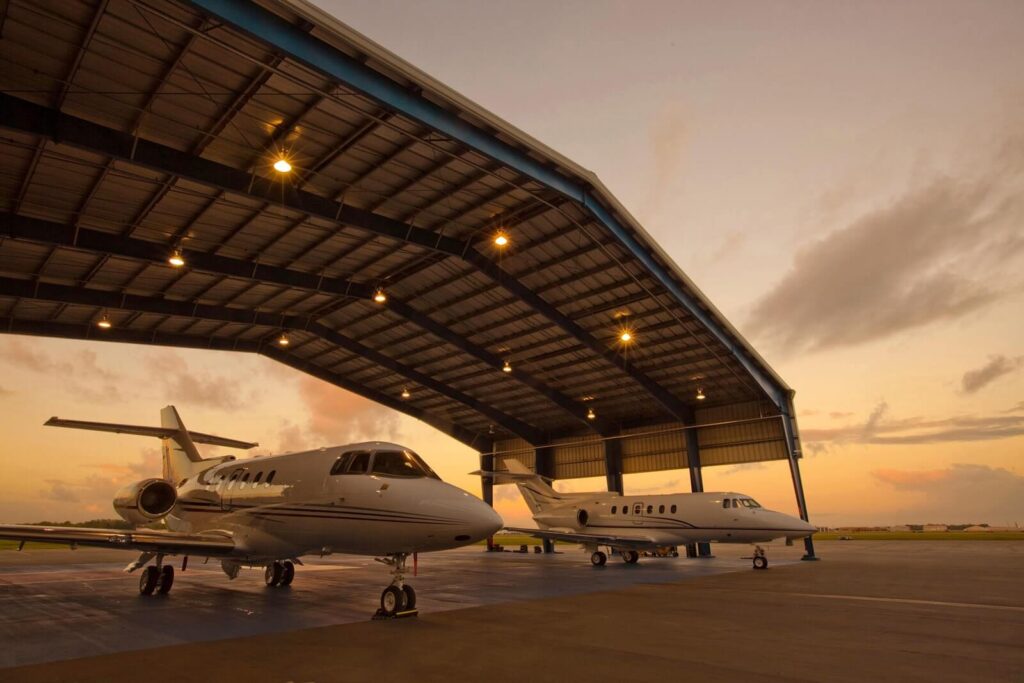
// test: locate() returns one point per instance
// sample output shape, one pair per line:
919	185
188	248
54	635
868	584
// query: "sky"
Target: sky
845	181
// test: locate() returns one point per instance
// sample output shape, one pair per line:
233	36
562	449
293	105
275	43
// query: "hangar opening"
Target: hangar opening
258	177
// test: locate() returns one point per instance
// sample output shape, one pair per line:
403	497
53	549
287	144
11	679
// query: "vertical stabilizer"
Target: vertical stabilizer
179	452
537	493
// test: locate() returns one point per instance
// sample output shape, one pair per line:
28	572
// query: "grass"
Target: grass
514	541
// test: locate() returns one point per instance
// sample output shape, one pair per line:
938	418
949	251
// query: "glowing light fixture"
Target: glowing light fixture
283	340
626	337
405	392
282	166
507	367
501	239
590	414
104	322
700	394
379	296
176	259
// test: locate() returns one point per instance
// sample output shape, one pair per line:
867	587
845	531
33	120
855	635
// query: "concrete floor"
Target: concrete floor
870	610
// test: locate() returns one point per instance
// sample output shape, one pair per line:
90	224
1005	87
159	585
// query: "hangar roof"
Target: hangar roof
137	128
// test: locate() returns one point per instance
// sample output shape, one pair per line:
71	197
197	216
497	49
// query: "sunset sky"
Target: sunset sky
845	181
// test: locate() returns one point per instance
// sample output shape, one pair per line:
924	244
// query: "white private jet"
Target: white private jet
375	498
629	524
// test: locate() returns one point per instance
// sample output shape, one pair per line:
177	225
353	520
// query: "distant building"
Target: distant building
934	527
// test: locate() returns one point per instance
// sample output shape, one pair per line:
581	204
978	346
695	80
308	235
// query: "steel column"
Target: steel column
487	486
696	480
793	451
544	465
613	464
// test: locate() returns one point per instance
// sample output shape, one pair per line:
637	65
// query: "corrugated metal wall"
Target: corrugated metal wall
728	435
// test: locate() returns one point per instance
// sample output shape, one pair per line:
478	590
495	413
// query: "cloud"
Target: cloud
944	249
82	375
880	429
977	493
339	416
59	491
182	383
667	137
997	366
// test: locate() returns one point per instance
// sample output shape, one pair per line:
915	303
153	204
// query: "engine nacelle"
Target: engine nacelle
566	517
145	501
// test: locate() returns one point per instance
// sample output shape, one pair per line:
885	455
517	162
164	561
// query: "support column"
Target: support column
613	464
487	486
544	465
696	483
789	429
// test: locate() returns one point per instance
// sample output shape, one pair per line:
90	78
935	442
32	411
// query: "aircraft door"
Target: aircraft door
638	514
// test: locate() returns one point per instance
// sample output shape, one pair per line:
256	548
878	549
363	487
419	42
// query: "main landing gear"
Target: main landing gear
398	599
279	574
156	578
760	560
630	556
598	558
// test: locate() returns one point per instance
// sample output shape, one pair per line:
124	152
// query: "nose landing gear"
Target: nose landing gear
760	560
399	599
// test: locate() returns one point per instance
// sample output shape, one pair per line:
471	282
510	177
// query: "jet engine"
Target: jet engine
564	517
145	501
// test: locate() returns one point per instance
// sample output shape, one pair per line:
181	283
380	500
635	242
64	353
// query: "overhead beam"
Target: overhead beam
273	30
50	233
111	300
90	332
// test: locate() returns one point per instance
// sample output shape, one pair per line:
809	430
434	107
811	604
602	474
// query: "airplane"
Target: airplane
375	498
630	524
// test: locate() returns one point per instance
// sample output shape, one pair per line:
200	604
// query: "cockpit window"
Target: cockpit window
339	465
725	503
400	464
358	462
749	502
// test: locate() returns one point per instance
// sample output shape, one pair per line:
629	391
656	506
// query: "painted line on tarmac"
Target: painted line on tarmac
909	601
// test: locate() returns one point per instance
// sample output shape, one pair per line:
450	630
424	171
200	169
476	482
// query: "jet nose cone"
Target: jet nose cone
488	522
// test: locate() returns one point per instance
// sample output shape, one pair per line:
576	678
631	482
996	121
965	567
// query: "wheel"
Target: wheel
287	573
148	579
631	556
410	596
760	562
598	559
272	574
166	580
392	600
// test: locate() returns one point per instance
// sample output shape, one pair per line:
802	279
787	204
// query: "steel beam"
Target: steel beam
487	486
613	464
185	309
544	465
273	30
793	451
696	477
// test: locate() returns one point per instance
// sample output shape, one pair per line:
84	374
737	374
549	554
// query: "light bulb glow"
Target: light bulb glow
405	392
700	394
379	296
501	239
176	259
590	414
104	323
626	336
507	367
282	166
283	340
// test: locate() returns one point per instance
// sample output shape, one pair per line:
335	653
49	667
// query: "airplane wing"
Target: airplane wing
146	540
159	432
631	542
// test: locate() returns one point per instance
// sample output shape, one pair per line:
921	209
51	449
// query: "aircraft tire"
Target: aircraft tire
598	559
148	580
410	596
760	562
166	580
272	574
392	600
287	573
631	556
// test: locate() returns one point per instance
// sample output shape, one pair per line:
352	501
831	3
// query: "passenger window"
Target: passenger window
256	480
673	509
359	463
661	509
638	509
614	509
650	509
625	509
340	463
270	477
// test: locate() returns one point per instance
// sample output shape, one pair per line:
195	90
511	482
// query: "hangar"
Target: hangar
258	177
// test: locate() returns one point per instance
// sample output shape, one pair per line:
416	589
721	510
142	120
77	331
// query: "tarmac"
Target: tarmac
870	610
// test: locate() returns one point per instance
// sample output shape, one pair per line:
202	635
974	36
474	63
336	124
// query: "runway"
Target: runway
868	611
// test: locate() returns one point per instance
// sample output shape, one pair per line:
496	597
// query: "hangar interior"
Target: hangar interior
258	177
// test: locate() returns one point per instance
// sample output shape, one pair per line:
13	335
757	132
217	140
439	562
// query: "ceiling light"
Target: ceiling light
700	394
501	239
283	340
590	414
176	259
379	296
405	392
104	322
507	367
626	337
282	166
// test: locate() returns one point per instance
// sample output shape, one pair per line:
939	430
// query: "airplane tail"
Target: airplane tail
536	491
181	458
